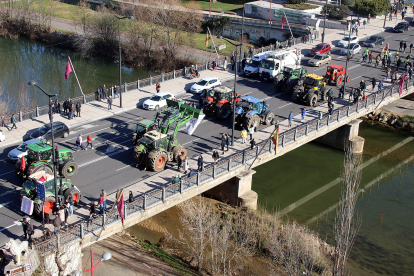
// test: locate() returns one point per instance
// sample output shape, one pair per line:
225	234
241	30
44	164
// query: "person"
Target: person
61	214
13	122
363	85
79	143
329	94
351	95
225	64
99	94
186	164
179	162
228	141
371	56
214	64
57	106
331	108
364	56
364	97
27	229
100	202
290	118
65	107
377	60
200	163
405	46
70	114
380	85
215	156
252	143
243	135
158	87
303	113
116	90
176	180
89	141
130	197
104	198
109	102
384	62
251	51
399	62
320	115
223	142
243	64
233	63
341	92
388	72
250	130
373	82
92	210
411	46
364	24
312	37
104	92
57	223
78	109
66	212
52	104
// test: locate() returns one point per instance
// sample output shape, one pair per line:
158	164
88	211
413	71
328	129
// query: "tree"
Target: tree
346	225
365	7
332	13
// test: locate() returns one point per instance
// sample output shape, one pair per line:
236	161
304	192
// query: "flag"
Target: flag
68	70
27	206
193	124
120	206
23	164
283	21
207	39
275	139
401	83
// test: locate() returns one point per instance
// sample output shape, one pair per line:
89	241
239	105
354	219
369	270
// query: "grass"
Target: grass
219	6
200	44
301	7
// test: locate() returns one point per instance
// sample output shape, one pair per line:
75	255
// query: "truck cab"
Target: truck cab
275	63
252	67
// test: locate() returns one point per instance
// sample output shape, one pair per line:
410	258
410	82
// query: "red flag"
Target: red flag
275	139
120	206
68	70
283	21
23	164
403	79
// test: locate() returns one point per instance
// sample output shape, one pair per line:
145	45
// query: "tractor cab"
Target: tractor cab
220	93
153	140
336	74
141	128
40	151
250	107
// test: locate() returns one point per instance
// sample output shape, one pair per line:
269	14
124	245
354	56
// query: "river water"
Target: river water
305	187
22	60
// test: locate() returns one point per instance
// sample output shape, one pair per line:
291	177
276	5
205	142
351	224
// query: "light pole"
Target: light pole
324	22
234	90
242	38
55	164
349	46
120	79
105	256
386	12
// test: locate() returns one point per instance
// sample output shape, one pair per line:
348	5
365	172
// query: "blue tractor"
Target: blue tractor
251	112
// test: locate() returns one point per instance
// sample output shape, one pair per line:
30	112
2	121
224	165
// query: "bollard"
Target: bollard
163	193
244	157
181	185
145	201
84	99
307	127
294	136
198	179
125	88
37	111
174	74
138	84
82	229
229	165
125	211
214	171
20	116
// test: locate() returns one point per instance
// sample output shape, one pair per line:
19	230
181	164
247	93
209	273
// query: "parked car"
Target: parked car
374	40
401	27
157	100
205	84
321	48
318	60
59	128
344	41
353	48
20	151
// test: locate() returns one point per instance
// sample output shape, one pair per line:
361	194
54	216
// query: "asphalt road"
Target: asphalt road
110	165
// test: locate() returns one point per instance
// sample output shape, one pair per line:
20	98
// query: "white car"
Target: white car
157	100
344	41
353	48
205	84
21	150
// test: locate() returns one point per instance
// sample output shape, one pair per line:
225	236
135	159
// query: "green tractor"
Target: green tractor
141	128
157	147
29	190
286	80
39	158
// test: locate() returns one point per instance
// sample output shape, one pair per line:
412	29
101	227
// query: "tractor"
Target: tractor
336	74
157	147
141	128
39	158
250	112
219	102
66	189
287	80
310	90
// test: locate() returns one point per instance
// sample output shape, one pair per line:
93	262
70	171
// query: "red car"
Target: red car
321	48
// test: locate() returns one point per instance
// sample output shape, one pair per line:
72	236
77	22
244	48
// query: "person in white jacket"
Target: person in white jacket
186	164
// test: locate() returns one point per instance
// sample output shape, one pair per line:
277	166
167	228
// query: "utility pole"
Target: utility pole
324	22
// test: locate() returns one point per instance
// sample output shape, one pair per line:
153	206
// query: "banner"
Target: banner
68	70
207	39
27	206
283	21
193	124
120	206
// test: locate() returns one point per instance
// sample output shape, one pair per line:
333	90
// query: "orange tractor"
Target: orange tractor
218	102
336	74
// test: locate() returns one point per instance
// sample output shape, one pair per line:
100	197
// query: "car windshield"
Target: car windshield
155	98
22	147
268	64
138	128
219	96
30	185
318	57
202	82
401	24
346	38
353	45
43	130
318	47
372	38
254	63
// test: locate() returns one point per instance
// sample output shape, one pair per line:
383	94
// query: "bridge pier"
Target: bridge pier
236	191
344	135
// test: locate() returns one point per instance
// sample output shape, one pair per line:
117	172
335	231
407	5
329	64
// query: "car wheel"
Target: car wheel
65	134
156	107
319	64
382	43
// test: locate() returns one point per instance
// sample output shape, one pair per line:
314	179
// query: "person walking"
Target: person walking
57	223
130	197
388	73
65	107
89	141
92	210
200	163
228	141
186	165
411	46
371	56
303	113
250	130
243	135
158	87
341	92
399	63
70	114
109	102
374	83
312	37
99	94
78	109
116	92
351	95
401	45
179	162
104	198
396	56
369	18
364	97
380	85
79	143
252	143
27	229
100	202
363	85
251	51
405	46
215	156
290	118
223	142
13	122
52	104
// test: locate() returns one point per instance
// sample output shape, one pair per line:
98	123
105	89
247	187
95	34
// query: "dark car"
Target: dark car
374	40
321	48
59	128
401	27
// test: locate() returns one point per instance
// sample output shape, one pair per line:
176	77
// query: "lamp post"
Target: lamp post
324	21
386	12
242	38
349	46
105	256
234	89
55	164
120	80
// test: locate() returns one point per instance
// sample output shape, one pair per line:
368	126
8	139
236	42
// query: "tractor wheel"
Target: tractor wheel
324	95
312	99
179	150
134	139
339	80
223	111
48	207
208	110
295	95
75	195
69	169
42	167
138	156
270	117
157	163
253	122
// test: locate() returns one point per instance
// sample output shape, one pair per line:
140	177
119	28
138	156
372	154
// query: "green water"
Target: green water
306	179
22	60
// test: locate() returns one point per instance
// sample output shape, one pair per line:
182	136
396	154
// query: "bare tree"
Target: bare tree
105	28
5	106
24	101
346	224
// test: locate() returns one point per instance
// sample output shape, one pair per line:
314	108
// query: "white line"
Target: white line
11	191
14	224
103	157
6	173
191	141
125	167
247	93
278	94
285	105
4	204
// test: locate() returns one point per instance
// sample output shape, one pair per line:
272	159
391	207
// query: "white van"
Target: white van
252	67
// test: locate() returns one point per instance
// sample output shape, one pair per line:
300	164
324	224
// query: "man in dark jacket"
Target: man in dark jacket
223	142
13	122
131	197
109	102
78	109
57	223
200	163
179	162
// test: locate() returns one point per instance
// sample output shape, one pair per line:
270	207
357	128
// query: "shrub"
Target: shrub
216	24
297	1
302	6
365	7
332	13
348	3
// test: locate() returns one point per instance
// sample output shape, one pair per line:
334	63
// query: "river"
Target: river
22	60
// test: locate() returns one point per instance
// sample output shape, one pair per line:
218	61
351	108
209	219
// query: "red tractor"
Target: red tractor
336	74
218	102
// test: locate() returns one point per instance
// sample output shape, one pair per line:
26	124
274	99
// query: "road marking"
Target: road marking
191	141
106	156
125	167
247	93
6	173
4	204
11	191
285	105
87	126
16	223
278	94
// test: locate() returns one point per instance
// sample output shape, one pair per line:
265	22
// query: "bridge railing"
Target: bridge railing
234	161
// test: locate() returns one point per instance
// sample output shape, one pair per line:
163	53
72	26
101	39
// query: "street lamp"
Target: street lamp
234	90
324	22
120	80
105	256
55	163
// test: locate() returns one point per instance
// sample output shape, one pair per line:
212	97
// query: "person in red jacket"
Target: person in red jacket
89	142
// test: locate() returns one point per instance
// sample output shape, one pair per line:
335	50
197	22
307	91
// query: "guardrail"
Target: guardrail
236	160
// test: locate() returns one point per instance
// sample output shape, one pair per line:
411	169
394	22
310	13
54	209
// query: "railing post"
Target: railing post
357	105
317	125
125	211
214	171
306	131
145	202
329	117
339	112
181	185
58	240
163	193
20	116
150	80
103	219
174	74
84	99
162	77
347	112
125	88
81	229
196	66
270	146
294	137
37	111
283	142
244	157
229	165
257	151
198	179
